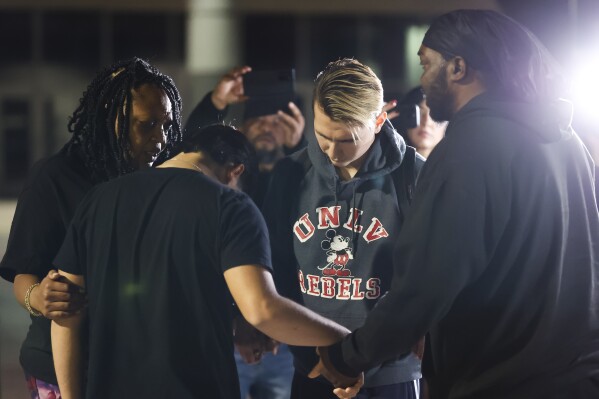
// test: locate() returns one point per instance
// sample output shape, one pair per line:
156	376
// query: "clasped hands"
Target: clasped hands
345	387
252	344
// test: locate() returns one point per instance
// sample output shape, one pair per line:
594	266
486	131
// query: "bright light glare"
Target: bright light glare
585	87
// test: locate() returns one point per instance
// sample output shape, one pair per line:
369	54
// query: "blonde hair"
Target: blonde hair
349	92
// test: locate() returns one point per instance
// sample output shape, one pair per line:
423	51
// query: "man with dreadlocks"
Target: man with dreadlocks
498	258
127	118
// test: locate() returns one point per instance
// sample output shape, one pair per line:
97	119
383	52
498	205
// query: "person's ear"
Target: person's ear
380	120
233	174
457	68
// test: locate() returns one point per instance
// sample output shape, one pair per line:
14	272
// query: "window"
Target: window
16	118
71	37
269	41
15	37
153	36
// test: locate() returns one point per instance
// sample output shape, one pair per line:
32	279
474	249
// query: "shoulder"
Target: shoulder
58	169
239	206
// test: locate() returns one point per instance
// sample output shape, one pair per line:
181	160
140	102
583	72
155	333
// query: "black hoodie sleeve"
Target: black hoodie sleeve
279	200
443	246
205	113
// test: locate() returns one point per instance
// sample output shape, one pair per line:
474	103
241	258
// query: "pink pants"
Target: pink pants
39	389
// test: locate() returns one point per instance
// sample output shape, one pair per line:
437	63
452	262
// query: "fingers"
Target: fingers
346	393
58	298
317	370
389	105
293	125
350	392
295	111
239	71
392	114
229	89
249	354
54	275
275	348
270	345
287	120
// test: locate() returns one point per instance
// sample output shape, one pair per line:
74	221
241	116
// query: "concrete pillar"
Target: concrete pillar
212	45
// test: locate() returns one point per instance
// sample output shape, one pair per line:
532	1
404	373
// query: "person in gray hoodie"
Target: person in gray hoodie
334	210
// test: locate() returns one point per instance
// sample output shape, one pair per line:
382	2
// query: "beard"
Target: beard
264	156
438	98
267	150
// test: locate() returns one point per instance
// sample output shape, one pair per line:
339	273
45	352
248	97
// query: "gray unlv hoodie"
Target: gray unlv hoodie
332	241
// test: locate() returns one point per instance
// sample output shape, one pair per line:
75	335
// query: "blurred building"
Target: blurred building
49	51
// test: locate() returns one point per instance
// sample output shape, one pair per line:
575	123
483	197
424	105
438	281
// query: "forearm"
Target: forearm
66	349
280	318
286	321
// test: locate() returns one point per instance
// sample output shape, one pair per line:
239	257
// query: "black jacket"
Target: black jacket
498	259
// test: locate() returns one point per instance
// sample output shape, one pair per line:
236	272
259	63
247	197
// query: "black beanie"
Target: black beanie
517	64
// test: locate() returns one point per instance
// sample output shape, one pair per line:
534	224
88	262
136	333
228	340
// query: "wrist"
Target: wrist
31	300
332	358
219	103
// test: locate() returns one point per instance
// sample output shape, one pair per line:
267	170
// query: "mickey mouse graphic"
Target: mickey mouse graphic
338	254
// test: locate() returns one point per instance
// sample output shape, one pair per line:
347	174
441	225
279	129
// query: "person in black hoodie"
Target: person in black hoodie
499	256
334	210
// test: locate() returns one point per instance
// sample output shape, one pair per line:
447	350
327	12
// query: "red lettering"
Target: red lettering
373	287
352	221
328	217
301	281
356	293
343	288
313	285
375	231
328	287
302	235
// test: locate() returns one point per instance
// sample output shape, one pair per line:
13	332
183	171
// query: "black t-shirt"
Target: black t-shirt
45	207
152	247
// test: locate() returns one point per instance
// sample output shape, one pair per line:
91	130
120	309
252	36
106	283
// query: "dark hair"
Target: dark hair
512	61
225	145
106	152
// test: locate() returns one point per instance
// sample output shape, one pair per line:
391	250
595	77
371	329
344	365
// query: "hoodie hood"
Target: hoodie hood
384	156
551	121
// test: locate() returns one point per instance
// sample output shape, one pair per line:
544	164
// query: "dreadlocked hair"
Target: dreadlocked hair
106	152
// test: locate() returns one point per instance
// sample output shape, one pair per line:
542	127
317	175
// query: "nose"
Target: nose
332	151
160	136
424	117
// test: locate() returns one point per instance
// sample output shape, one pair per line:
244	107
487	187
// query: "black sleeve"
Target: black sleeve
279	200
444	245
36	232
72	252
205	113
243	237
